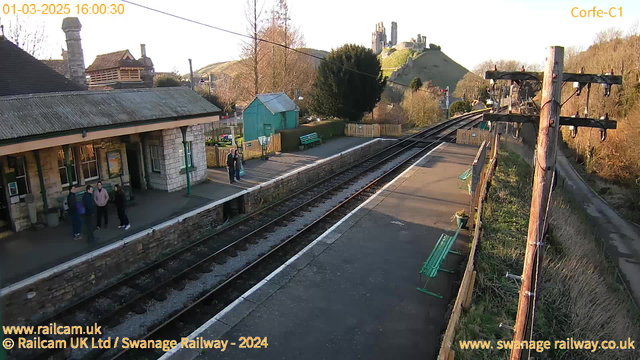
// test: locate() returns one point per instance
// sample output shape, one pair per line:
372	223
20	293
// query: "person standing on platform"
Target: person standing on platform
120	201
87	201
231	165
101	198
238	163
72	203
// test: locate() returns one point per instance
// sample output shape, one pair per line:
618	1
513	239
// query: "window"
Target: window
64	175
89	162
189	157
156	157
20	186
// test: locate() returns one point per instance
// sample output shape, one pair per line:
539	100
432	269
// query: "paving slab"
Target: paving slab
357	298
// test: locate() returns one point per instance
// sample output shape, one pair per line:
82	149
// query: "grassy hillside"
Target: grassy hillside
431	65
232	67
395	60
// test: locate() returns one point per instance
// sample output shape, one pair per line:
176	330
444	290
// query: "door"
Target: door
133	159
5	220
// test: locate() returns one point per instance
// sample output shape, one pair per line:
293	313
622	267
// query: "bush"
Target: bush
459	107
325	130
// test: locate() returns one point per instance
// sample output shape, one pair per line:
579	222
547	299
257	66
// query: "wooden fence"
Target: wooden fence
217	156
372	130
463	300
472	136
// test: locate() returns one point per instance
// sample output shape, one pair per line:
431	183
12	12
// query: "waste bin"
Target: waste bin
53	217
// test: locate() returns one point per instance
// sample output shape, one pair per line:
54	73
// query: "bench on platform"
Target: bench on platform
464	180
433	264
309	139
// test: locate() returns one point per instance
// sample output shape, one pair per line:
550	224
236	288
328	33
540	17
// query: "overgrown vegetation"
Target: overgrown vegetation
614	165
459	107
396	59
578	296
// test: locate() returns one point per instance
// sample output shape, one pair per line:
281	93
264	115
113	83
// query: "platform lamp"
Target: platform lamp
186	157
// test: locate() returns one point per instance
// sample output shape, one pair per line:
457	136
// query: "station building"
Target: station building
53	133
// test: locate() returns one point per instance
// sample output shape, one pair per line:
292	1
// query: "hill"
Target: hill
232	67
430	65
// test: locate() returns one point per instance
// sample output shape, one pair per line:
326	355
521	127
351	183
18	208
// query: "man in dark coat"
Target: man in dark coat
87	201
74	213
231	159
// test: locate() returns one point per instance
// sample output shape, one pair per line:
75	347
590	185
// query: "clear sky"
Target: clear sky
468	31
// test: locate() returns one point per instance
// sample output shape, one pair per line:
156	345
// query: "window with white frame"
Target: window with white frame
189	157
62	169
156	157
89	162
21	185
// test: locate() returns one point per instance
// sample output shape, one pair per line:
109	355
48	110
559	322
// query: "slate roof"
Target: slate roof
60	66
21	73
277	102
113	60
25	116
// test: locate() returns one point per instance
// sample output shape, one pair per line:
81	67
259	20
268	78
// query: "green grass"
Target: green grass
579	294
434	66
396	60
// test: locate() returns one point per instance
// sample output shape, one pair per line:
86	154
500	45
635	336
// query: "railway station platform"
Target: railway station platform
31	252
352	292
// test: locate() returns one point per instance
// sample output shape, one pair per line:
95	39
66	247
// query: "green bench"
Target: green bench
431	267
309	139
464	180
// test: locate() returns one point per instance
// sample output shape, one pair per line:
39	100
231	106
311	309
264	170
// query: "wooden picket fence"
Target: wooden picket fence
217	156
372	130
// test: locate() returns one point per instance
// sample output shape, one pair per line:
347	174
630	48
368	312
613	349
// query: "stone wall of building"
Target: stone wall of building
52	182
98	271
173	154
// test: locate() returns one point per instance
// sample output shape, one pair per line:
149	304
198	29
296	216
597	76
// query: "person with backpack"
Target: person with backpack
120	201
74	213
238	163
87	201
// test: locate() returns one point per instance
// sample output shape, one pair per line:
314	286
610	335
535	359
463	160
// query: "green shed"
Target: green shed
268	113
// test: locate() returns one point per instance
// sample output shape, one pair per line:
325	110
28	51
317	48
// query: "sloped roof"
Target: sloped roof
27	116
113	60
21	73
60	66
277	102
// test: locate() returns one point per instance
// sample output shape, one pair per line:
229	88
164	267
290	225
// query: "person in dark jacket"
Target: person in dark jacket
231	165
87	201
72	203
120	200
237	163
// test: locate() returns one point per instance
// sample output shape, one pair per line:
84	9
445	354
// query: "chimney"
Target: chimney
71	27
143	51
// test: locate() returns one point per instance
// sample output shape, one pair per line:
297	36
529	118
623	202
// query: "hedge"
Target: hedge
325	130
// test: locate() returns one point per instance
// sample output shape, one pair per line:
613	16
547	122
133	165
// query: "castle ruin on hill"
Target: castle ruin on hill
379	40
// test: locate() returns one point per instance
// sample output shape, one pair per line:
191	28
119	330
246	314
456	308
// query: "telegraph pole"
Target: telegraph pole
191	74
545	163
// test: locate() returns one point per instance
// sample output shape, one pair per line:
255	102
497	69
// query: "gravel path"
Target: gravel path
135	325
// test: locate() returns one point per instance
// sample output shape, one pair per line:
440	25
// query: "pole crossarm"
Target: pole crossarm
564	120
566	77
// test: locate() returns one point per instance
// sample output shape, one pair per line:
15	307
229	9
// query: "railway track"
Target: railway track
179	272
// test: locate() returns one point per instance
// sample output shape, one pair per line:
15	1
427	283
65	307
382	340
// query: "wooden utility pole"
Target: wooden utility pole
191	74
544	162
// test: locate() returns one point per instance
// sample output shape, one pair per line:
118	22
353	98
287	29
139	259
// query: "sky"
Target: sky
468	31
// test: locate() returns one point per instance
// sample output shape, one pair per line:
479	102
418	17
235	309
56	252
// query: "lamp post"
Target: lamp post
186	157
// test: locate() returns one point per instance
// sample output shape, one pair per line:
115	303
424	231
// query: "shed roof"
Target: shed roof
277	102
26	116
21	73
114	60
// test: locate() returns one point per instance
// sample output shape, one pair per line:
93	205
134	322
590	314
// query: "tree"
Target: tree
472	87
167	81
349	83
415	84
30	38
251	49
422	108
459	107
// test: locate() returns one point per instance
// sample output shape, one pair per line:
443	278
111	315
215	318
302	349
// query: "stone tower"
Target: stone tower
394	34
148	74
378	39
71	27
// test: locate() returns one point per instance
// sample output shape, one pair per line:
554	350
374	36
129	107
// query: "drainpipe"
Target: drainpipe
43	189
186	158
